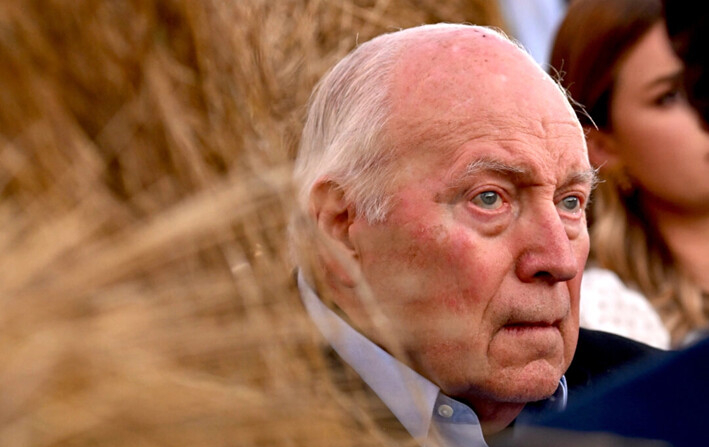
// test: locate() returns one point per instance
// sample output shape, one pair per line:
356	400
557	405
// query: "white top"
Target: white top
431	417
607	304
534	23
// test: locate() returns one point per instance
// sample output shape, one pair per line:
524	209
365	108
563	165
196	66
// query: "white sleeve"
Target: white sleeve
609	305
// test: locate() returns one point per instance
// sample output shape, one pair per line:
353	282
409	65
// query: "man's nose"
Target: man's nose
547	252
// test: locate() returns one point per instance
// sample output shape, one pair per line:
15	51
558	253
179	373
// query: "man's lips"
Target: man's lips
531	325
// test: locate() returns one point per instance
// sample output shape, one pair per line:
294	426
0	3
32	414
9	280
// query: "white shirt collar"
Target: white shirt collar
409	395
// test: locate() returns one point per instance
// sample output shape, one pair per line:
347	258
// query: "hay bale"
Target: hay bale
145	282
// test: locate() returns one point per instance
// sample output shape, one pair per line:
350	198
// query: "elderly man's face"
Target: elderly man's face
478	266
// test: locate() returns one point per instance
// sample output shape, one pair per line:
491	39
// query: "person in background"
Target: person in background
649	218
533	23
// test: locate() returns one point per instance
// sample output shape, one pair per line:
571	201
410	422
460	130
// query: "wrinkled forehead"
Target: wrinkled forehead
470	76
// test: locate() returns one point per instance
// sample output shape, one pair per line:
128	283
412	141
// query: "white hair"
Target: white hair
344	134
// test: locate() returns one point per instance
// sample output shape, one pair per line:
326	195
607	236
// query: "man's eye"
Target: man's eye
571	203
489	200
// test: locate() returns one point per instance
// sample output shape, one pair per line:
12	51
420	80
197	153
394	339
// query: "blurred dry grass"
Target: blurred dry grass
145	146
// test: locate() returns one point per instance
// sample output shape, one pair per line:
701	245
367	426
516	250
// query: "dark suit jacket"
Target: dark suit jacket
600	356
666	400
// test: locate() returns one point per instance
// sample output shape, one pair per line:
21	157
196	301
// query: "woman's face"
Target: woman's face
655	132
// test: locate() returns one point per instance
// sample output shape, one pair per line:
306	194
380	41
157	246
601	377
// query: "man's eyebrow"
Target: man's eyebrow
487	165
588	176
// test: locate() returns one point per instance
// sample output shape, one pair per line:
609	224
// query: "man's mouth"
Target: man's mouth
521	326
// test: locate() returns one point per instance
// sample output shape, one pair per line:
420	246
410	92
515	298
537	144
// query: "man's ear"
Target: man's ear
602	151
334	216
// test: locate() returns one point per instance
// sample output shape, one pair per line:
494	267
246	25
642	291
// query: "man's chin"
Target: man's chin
535	381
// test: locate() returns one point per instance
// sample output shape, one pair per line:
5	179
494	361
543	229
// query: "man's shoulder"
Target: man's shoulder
662	399
610	349
600	355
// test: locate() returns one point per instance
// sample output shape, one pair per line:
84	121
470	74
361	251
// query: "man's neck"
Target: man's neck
495	416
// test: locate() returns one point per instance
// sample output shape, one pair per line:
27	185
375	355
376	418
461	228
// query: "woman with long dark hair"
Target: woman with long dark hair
649	219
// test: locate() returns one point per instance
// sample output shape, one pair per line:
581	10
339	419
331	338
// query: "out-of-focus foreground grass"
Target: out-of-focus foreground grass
146	291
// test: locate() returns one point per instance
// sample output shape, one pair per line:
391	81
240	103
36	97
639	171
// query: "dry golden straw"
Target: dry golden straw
147	291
